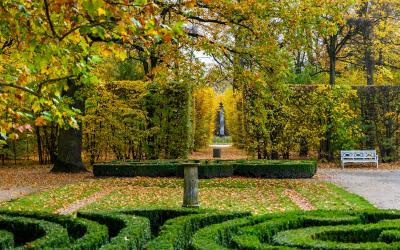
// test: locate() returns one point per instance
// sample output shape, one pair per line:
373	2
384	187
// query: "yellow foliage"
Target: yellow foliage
40	121
205	109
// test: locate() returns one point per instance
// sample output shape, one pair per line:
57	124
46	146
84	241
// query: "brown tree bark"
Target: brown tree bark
69	157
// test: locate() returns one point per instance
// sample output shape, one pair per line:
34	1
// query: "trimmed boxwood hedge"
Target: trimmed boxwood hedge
126	232
158	217
82	233
32	233
6	239
197	229
177	233
210	168
309	230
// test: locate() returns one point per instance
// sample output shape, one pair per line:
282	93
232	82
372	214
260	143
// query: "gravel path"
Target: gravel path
15	192
380	187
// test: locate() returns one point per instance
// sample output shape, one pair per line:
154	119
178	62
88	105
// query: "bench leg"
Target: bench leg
342	165
376	165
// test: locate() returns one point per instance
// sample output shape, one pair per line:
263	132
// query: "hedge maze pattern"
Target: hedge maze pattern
201	230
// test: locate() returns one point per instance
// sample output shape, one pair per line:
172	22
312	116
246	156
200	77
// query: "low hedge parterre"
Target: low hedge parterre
199	229
210	168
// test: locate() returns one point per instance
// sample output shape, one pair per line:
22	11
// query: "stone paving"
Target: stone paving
380	187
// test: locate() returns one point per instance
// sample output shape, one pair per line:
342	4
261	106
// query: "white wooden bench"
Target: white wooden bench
359	156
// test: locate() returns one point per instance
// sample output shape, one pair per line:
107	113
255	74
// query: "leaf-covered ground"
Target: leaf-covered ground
35	176
25	178
239	194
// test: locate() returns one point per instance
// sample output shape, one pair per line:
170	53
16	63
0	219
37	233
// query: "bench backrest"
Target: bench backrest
358	154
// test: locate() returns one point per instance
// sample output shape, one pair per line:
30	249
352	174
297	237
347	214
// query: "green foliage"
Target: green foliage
32	233
126	232
380	108
177	233
310	230
116	120
83	234
222	140
203	229
169	109
158	217
136	120
6	239
210	169
276	169
45	43
204	102
356	117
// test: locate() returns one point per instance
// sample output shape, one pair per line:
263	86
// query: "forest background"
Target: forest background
125	79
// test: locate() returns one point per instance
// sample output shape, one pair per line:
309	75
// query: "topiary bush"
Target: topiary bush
210	168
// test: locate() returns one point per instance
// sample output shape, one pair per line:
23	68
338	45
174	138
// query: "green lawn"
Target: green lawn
238	194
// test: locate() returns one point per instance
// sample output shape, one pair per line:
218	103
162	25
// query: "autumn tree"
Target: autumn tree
50	49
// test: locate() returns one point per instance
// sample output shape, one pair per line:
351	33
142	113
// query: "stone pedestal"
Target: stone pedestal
216	152
191	185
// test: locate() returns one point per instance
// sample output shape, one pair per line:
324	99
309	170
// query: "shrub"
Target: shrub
126	232
210	169
158	217
33	233
6	239
201	230
309	230
83	234
177	233
276	169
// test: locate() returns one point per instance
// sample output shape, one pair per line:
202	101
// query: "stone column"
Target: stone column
191	185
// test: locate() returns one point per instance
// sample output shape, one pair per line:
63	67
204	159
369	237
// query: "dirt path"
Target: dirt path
15	193
20	180
299	200
380	187
227	153
81	203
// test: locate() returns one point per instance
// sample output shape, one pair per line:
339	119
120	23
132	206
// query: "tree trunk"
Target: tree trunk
303	147
69	157
39	145
369	66
369	58
332	60
326	151
367	37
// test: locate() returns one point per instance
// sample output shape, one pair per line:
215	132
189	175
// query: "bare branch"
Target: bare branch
23	88
39	83
46	7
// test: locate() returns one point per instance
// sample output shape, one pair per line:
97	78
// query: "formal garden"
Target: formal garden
199	124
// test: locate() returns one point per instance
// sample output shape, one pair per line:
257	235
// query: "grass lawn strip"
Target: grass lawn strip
239	194
53	199
228	194
325	195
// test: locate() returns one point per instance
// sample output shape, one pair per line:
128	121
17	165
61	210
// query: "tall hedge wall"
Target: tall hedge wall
321	118
147	120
